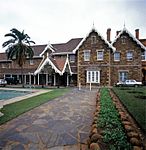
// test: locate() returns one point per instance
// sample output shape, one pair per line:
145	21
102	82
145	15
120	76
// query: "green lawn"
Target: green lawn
135	101
15	109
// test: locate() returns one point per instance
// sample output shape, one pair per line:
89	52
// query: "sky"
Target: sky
58	21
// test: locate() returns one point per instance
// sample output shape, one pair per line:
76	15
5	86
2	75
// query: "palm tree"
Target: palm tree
18	48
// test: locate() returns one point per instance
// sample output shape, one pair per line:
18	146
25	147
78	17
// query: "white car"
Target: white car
129	83
3	82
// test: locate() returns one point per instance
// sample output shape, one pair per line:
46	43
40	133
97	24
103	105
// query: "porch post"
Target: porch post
38	79
67	79
54	79
29	78
24	79
46	79
34	79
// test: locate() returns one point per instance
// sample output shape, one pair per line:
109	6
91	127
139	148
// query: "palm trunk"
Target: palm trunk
22	76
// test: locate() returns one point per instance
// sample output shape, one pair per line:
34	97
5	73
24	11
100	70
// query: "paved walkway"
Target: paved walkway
63	121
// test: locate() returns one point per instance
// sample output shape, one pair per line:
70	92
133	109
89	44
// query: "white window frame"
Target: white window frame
123	75
87	55
115	57
100	57
143	56
129	58
93	76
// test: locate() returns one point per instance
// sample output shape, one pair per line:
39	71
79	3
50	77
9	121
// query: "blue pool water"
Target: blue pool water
8	94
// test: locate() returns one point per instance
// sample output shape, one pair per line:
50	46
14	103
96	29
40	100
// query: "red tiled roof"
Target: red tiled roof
59	62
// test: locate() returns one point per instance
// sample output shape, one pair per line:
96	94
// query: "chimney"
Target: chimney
108	34
137	33
117	32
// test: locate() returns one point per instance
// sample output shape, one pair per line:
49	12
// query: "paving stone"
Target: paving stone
19	138
18	147
54	123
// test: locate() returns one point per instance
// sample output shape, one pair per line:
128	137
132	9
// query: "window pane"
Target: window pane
116	56
99	55
97	77
123	76
86	55
129	55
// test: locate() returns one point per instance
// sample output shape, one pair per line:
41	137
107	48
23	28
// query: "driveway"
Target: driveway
65	120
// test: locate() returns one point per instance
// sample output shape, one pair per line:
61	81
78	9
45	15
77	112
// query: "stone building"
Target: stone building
83	61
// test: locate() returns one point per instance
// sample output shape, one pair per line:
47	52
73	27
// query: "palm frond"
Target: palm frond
11	34
11	41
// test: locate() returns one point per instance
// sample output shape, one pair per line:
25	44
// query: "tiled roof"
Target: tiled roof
59	62
67	47
38	49
143	41
3	56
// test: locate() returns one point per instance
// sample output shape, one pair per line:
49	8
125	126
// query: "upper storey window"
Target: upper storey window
143	56
116	56
86	55
100	54
129	55
93	39
72	58
123	39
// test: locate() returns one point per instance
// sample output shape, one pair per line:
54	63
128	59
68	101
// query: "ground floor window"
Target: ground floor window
93	76
123	75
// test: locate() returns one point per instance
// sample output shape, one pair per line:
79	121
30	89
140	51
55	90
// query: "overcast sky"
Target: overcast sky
57	21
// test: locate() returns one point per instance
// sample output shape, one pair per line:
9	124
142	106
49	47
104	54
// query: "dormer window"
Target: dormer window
93	39
123	39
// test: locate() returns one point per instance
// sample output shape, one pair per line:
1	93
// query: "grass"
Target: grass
131	98
13	110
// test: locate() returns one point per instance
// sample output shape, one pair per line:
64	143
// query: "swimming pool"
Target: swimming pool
8	94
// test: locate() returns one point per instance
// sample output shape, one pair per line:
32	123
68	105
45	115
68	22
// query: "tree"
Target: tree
18	48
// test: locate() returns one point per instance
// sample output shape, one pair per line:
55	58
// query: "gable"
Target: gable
128	38
99	40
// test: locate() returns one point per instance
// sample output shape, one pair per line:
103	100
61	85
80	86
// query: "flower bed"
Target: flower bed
108	131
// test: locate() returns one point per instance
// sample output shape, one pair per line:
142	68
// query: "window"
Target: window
72	58
100	55
93	39
31	62
116	56
129	55
123	39
93	76
87	55
123	75
143	56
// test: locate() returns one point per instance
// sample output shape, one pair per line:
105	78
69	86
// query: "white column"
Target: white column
29	78
34	79
54	79
46	79
38	79
67	79
24	79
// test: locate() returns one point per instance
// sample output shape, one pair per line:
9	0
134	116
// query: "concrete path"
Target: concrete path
61	124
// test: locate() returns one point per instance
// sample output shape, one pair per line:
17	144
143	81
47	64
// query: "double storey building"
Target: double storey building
83	61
